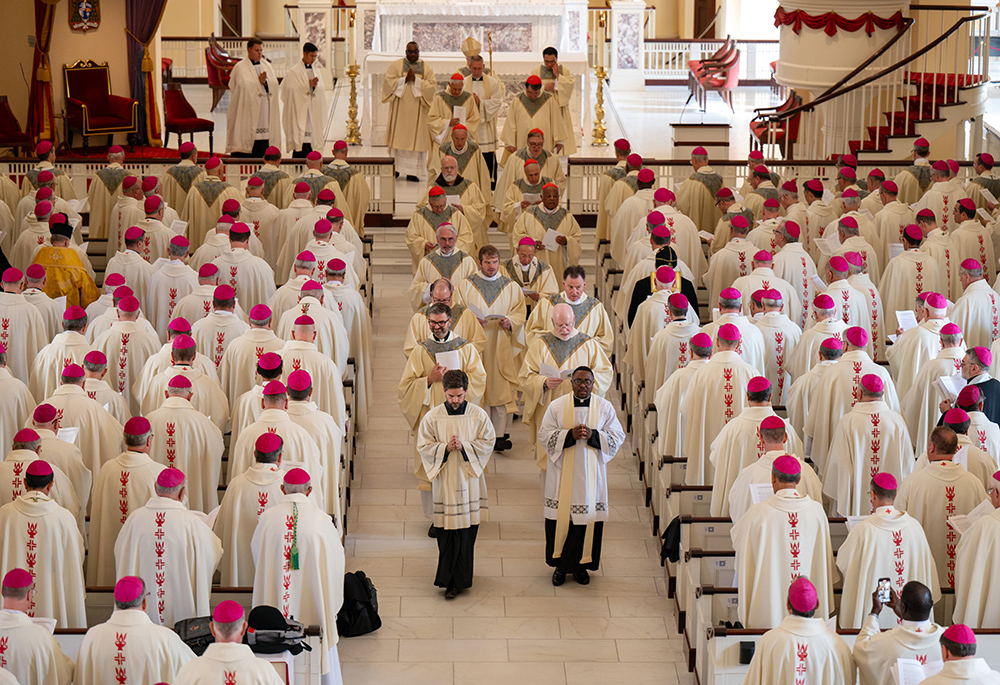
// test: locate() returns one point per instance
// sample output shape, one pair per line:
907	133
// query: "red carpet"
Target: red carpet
140	152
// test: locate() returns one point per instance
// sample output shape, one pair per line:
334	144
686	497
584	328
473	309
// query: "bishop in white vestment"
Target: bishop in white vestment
977	559
30	651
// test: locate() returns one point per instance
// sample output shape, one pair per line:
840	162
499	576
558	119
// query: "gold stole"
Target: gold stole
566	483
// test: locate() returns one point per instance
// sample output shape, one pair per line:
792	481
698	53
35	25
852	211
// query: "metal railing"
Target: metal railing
188	54
378	172
667	60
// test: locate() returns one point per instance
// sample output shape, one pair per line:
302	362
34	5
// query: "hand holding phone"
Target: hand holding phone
884	590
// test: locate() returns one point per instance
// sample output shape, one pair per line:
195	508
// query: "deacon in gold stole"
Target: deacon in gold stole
580	434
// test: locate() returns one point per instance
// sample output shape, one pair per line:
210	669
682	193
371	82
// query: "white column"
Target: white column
315	21
627	49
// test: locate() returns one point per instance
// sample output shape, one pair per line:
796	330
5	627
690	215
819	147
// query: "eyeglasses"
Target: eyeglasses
437	324
583	381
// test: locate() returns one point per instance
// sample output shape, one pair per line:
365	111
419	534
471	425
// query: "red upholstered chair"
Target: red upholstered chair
91	109
723	79
218	75
11	134
181	118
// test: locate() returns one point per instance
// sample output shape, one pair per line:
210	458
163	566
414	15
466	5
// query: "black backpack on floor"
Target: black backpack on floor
359	614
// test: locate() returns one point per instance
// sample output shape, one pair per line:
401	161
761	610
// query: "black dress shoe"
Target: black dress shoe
411	177
397	174
582	577
432	532
451	593
558	578
499	445
506	442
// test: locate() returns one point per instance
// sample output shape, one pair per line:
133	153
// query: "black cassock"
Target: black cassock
665	256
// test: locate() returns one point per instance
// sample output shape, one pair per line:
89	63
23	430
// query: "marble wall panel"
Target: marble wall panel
369	26
628	41
316	31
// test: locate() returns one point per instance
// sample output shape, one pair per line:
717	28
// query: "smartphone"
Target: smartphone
884	588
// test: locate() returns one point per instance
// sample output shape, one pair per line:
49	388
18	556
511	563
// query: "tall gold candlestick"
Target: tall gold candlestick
597	138
353	130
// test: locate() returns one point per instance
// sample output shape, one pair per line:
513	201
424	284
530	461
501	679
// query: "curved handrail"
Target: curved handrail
826	97
906	25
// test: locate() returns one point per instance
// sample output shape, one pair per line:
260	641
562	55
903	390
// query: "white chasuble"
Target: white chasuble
239	363
668	399
696	198
870	439
977	560
249	276
123	485
174	553
329	437
914	348
576	477
207	397
920	405
328	388
214	333
167	287
30	651
727	265
186	439
806	353
409	104
100	437
794	265
130	645
331	336
715	396
127	346
300	566
38	535
801	397
776	541
977	313
66	348
458	481
358	324
247	496
974	671
17	407
906	276
803	651
669	351
875	652
304	115
12	483
781	336
932	494
740	499
536	221
888	544
22	333
102	193
750	347
227	663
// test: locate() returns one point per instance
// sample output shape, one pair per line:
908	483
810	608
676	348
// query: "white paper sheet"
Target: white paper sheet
760	492
948	387
549	241
962	457
828	246
912	672
984	214
460	112
706	236
906	318
866	213
986	194
400	86
74	221
75	205
533	198
61	301
915	207
853	521
480	314
453	200
818	283
178	226
895	249
715	313
828	196
528	291
68	434
449	360
83	246
552	372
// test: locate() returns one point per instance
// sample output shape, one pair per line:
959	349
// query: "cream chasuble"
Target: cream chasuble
41	537
161	361
287	296
803	651
941	198
239	363
464	324
127	346
737	446
227	661
524	115
125	213
176	181
984	434
31	653
331	336
441	111
780	339
474	208
423	226
535	222
100	438
631	212
283	226
63	183
134	269
68	458
328	388
354	191
12	484
104	190
99	390
513	186
739	498
214	333
247	496
696	198
977	313
750	348
217	243
932	494
591	319
652	317
576	477
890	221
618	195
22	333
409	104
764	278
794	265
870	439
166	287
499	296
358	324
668	399
913	181
876	652
914	348
254	113
818	217
261	216
978	463
976	562
471	166
458	480
839	390
203	207
973	671
726	265
565	355
970	240
198	305
906	276
724	378
455	267
249	276
66	348
306	580
887	544
329	437
806	353
186	439
123	485
130	644
776	541
669	351
175	554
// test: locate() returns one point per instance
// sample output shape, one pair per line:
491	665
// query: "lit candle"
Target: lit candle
353	37
600	39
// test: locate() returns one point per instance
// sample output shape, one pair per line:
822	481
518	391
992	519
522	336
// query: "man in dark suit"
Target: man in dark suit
975	369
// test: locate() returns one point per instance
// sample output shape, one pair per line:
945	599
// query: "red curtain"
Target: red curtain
41	119
142	18
832	21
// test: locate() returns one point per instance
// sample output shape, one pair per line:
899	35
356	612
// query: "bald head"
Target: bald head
449	168
563	321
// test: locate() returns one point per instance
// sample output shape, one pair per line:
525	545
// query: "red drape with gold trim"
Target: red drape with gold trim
41	119
830	22
142	18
